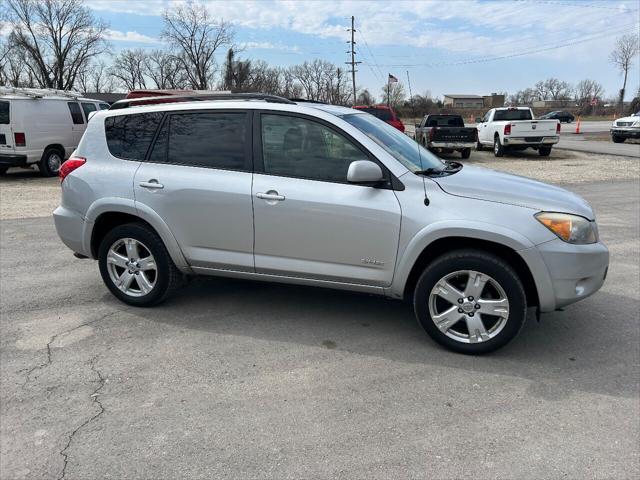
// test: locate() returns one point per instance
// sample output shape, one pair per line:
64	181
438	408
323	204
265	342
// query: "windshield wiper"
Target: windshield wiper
451	168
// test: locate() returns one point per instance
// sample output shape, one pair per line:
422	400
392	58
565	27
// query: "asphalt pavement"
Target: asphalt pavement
242	379
579	143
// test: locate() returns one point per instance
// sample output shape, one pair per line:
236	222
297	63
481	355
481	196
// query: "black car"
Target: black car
559	115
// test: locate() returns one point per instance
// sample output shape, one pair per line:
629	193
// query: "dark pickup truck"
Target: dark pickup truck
446	133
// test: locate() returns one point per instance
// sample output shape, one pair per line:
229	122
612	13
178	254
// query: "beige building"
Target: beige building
473	101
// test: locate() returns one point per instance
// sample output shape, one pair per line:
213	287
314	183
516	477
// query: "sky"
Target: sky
455	46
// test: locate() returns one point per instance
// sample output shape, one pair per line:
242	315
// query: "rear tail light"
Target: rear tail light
69	166
432	132
20	139
558	128
507	129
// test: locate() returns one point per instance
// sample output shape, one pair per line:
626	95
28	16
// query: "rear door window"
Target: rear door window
204	139
87	108
4	113
76	114
129	136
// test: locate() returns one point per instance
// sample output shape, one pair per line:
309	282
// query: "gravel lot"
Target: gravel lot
235	379
24	194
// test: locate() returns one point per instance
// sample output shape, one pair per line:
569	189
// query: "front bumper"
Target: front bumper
452	145
626	132
531	141
12	160
574	272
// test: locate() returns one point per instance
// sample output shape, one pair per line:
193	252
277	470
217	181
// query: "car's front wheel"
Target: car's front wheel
135	265
470	301
617	139
465	153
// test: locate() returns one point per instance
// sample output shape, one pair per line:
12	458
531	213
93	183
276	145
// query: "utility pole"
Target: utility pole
413	108
353	57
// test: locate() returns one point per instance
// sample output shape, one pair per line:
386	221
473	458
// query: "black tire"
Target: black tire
479	146
479	261
465	153
168	277
3	170
617	139
544	151
498	148
50	162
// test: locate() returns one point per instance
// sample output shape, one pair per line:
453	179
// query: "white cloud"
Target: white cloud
465	28
135	37
269	46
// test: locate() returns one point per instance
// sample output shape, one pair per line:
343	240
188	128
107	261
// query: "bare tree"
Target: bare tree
396	94
165	71
552	89
365	98
95	78
129	69
195	37
624	53
237	74
523	97
586	92
58	38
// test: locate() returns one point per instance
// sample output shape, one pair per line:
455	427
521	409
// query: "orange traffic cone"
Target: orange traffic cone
577	126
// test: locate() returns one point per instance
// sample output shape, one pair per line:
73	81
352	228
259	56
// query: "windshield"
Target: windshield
514	114
445	121
400	146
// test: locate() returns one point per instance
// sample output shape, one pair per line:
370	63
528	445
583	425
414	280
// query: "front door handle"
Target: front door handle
271	195
153	184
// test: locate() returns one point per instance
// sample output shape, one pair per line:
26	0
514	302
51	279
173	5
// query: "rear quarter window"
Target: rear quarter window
129	136
4	113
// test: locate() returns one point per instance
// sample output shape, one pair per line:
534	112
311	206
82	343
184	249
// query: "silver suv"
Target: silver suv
260	187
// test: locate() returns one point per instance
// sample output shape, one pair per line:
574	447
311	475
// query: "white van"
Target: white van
42	127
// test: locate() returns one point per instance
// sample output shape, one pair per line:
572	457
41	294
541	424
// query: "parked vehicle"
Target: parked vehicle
446	134
384	113
41	127
559	115
314	194
626	127
514	128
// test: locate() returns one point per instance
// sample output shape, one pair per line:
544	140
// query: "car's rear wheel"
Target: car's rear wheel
498	149
479	146
617	139
465	153
544	151
470	301
50	163
135	265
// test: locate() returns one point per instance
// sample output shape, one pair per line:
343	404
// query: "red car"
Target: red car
384	113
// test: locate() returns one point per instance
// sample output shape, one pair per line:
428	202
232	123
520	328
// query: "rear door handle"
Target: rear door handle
271	195
153	184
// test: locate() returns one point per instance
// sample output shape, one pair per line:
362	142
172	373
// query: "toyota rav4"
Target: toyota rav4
260	187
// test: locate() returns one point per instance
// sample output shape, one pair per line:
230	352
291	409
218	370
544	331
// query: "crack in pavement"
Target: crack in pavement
95	399
53	339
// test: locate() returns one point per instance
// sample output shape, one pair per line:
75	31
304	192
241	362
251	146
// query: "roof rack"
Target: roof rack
39	92
141	101
305	100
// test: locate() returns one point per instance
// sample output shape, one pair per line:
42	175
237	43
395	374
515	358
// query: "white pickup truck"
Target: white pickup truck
514	128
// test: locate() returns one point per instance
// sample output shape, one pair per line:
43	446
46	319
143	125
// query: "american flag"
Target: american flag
392	79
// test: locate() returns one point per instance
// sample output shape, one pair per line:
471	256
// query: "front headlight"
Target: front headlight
570	228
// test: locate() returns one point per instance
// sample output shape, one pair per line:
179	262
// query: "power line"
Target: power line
513	55
371	54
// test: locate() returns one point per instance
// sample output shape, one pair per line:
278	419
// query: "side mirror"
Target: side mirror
364	172
478	120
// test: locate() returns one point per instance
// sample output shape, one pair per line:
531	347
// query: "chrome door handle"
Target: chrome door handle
153	184
271	195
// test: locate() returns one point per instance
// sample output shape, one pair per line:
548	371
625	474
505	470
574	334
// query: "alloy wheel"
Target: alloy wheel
131	267
54	161
469	306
